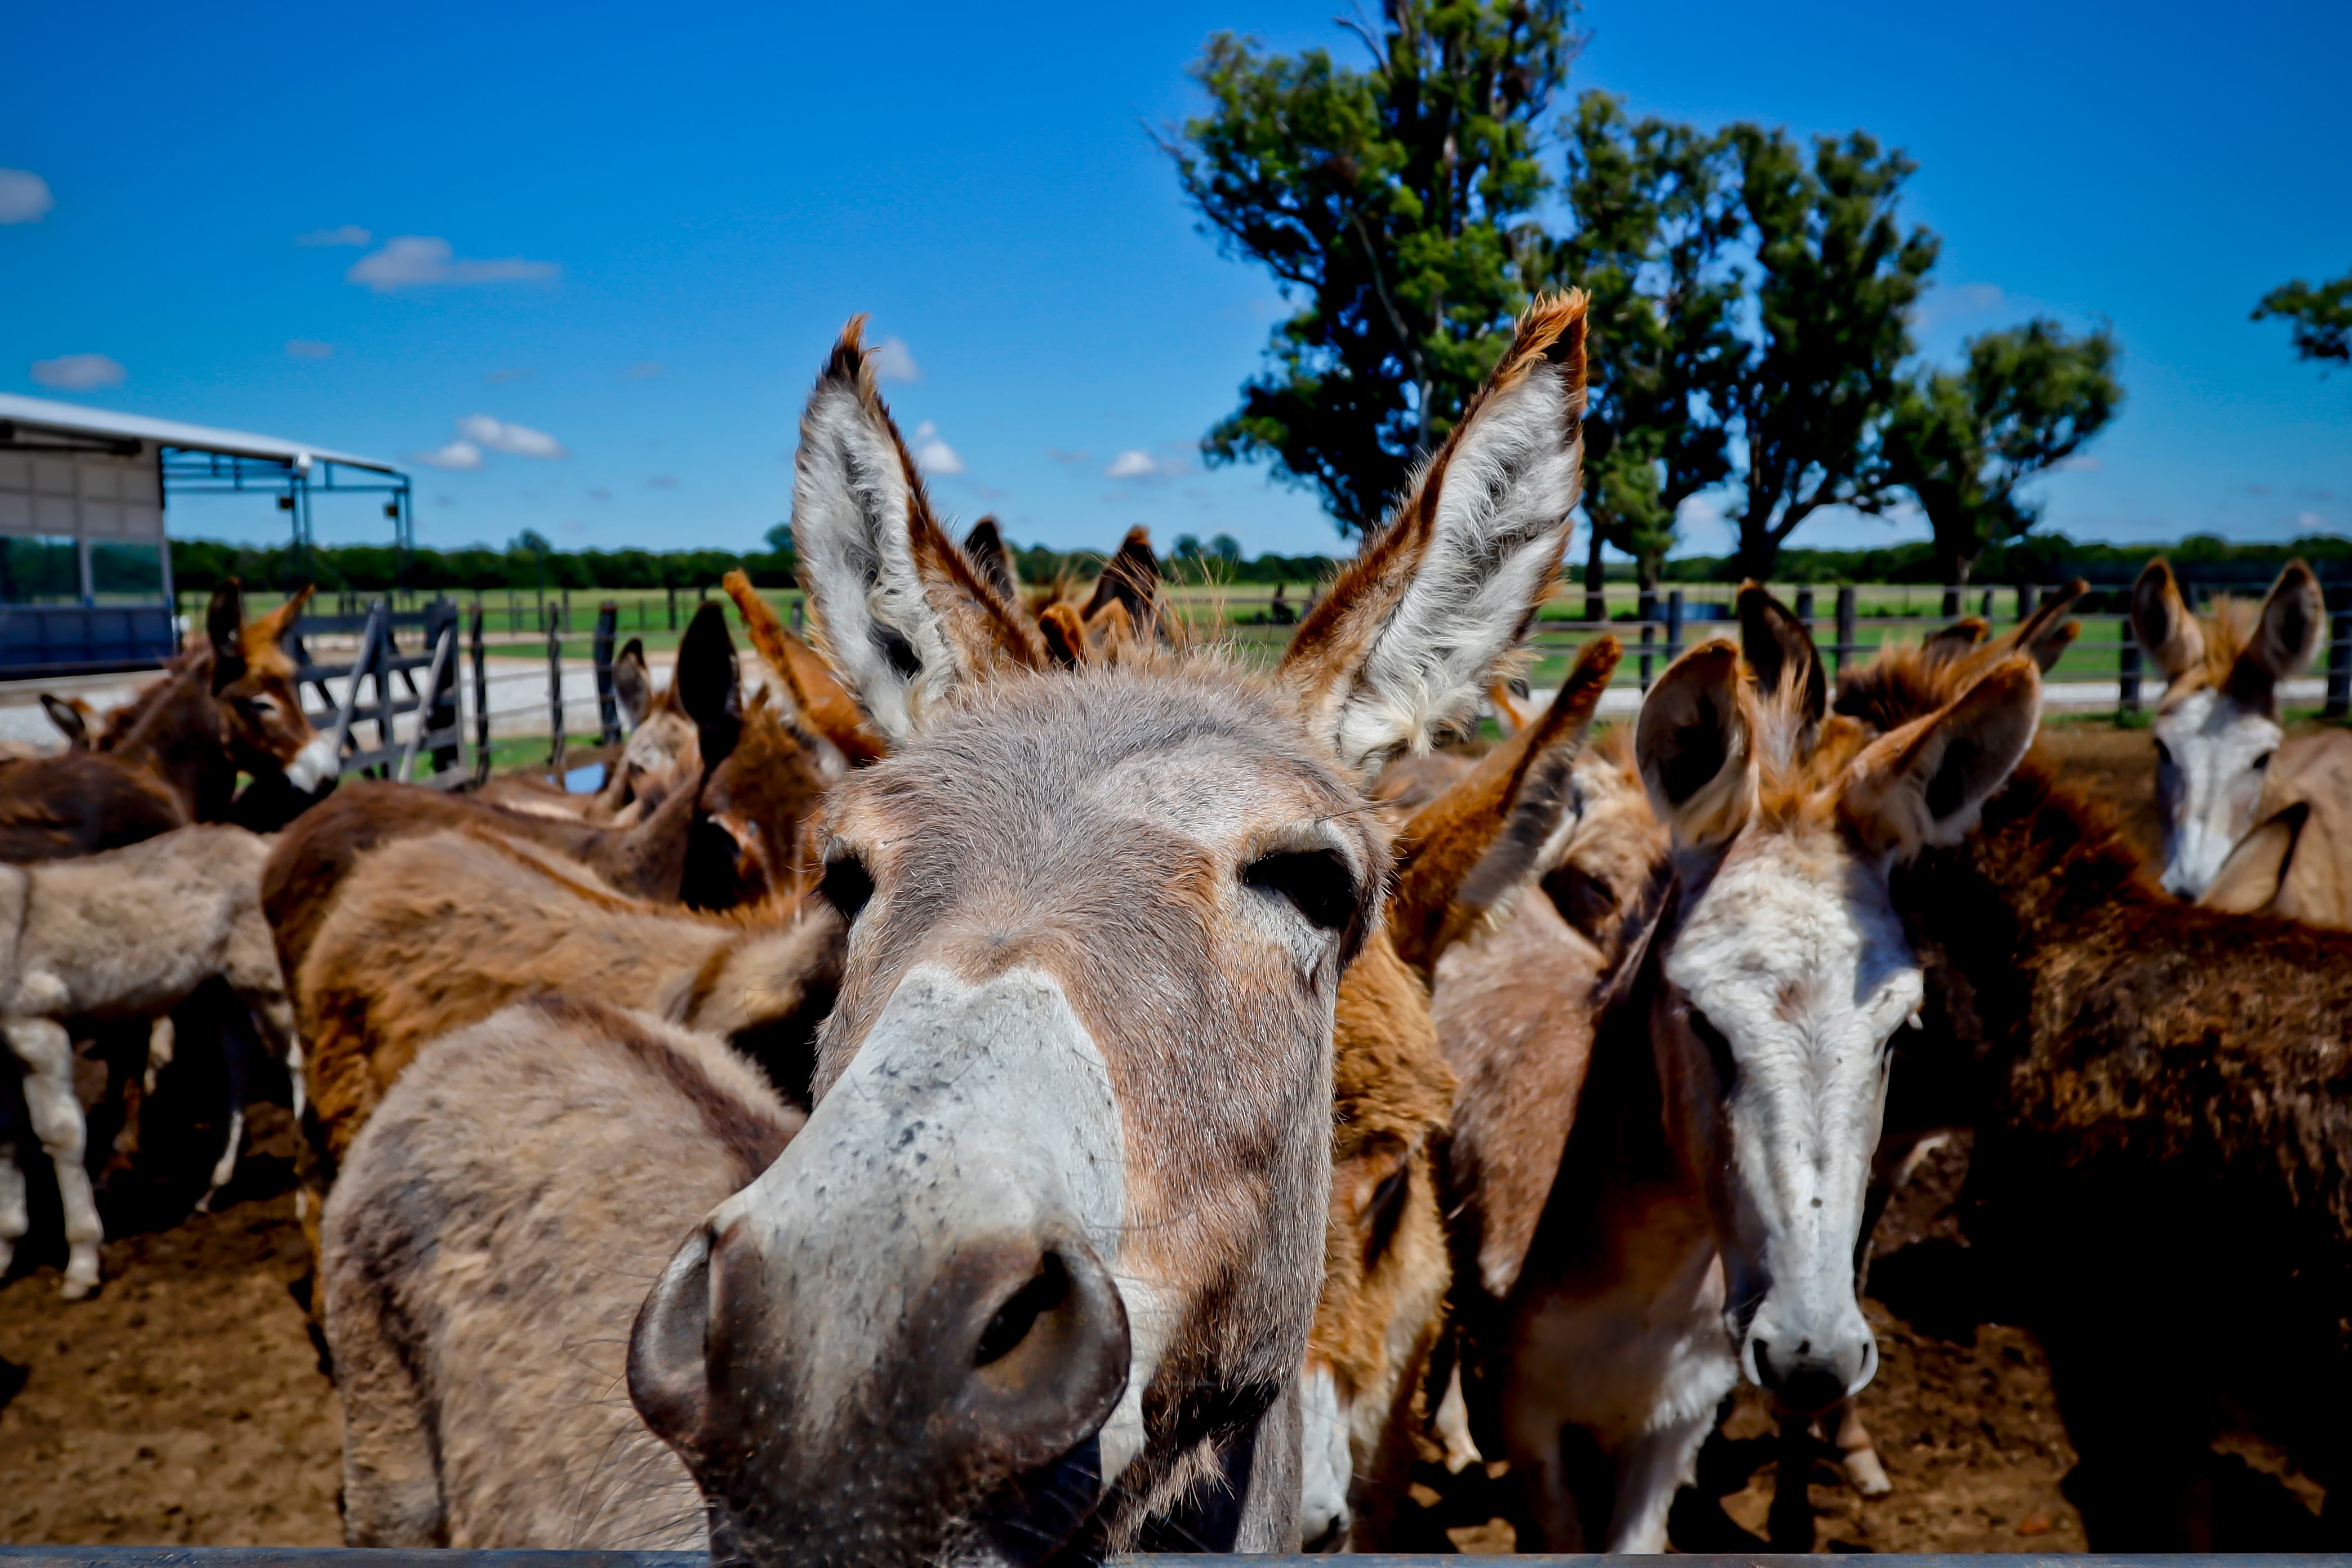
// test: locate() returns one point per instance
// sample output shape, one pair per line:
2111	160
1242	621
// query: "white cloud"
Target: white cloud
2310	520
935	455
645	370
23	197
893	361
308	348
456	455
1132	463
515	441
347	234
415	261
78	372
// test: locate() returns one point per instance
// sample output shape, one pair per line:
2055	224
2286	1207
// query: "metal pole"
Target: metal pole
2339	666
1648	610
2029	598
441	652
481	703
671	589
1673	624
608	706
1805	609
1951	602
1844	647
1985	609
2127	672
555	701
342	730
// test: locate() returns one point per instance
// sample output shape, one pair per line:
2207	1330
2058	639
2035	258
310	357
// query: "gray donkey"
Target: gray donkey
126	934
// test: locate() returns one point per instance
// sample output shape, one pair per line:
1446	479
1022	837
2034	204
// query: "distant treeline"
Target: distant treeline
198	565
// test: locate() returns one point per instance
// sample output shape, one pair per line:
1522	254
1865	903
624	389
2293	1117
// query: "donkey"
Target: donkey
1705	1206
1041	1267
659	731
129	933
477	1118
2222	763
2148	1082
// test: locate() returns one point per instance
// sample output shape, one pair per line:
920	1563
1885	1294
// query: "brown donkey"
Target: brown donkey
1042	1265
2161	1115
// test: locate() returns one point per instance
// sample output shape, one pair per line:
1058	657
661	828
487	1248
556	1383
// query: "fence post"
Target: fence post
671	589
1596	600
2339	666
1647	608
2029	598
797	622
481	703
1805	609
1673	624
1844	627
1985	607
554	701
2127	672
1951	610
440	709
608	707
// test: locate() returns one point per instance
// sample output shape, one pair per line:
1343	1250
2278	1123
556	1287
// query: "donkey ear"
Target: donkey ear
984	548
706	683
224	625
1776	644
1467	850
1131	577
69	721
2250	879
1692	745
1924	784
1405	641
265	633
1955	641
2161	621
900	612
2294	619
2046	634
633	683
827	709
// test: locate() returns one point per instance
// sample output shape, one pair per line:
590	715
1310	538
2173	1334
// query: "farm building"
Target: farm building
84	561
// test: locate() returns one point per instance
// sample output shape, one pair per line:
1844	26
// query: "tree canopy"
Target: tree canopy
1964	443
2320	315
1391	205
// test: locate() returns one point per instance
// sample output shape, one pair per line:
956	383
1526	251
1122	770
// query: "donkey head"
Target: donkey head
1048	1248
253	681
2218	723
1784	972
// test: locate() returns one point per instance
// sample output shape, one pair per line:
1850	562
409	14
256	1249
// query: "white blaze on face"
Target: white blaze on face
967	1110
1793	954
2211	751
319	759
1327	1466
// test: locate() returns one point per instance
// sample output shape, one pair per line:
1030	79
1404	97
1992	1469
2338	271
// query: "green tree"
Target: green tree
1835	280
1653	214
1392	205
1964	444
2320	316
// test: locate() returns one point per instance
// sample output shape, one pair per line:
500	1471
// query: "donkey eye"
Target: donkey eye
2264	761
848	885
1718	1051
1318	883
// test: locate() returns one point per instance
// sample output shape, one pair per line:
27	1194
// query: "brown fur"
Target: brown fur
478	1419
2161	1149
824	704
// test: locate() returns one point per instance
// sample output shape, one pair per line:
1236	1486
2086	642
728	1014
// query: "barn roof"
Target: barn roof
74	419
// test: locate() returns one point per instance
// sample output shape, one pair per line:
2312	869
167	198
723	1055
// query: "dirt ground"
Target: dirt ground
186	1405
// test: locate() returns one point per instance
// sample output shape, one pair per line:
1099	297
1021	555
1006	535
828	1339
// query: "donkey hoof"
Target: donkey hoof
77	1289
1866	1474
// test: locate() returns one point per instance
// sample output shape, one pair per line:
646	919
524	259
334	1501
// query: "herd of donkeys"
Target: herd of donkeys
1012	1081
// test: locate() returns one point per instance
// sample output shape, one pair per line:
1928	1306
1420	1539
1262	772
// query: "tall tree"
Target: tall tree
1653	212
2320	316
1964	444
1836	278
1392	205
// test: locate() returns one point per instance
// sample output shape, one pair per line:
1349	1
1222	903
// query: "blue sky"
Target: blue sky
628	237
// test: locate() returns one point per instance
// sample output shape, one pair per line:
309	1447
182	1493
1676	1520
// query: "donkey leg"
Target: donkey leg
46	1049
1654	1467
15	1220
1857	1455
1788	1524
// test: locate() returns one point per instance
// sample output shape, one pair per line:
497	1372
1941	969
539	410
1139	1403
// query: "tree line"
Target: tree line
1753	297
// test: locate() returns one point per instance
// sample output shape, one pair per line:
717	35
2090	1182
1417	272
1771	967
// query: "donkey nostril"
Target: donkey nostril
1048	1289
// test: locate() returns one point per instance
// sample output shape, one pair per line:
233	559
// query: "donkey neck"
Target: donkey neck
181	739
